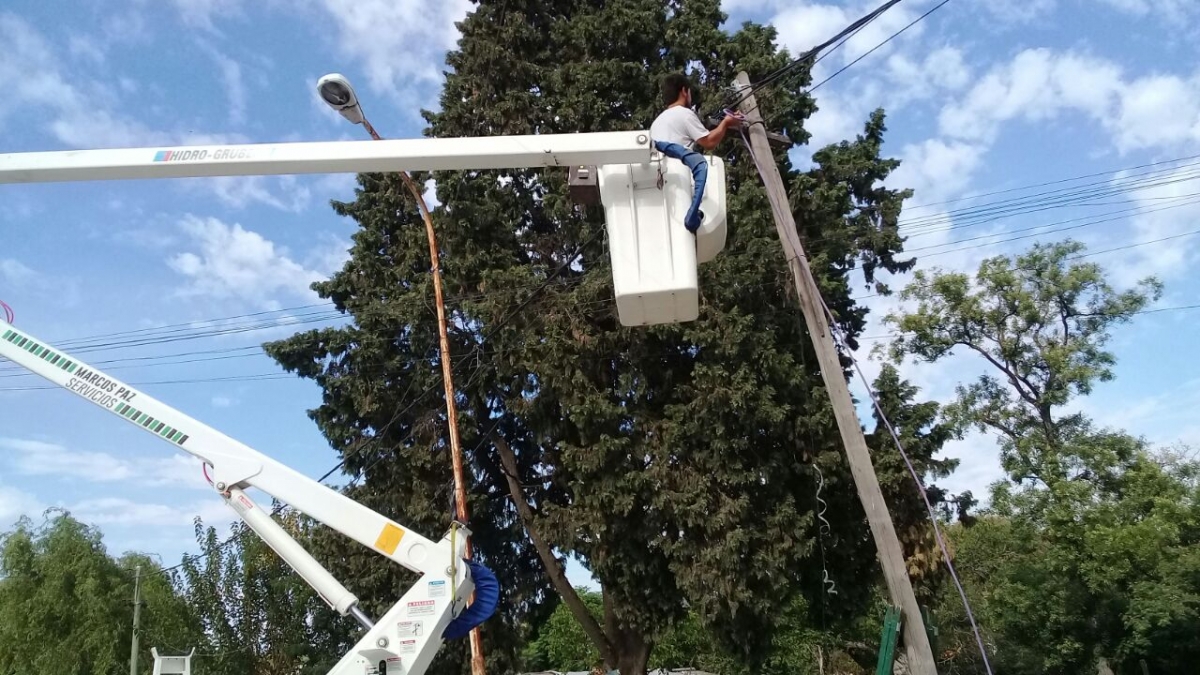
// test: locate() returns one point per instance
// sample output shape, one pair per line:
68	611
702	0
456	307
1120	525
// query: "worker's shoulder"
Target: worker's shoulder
677	112
675	118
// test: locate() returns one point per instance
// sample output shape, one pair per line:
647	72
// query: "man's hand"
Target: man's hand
731	120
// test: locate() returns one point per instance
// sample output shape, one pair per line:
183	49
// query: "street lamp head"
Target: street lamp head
337	93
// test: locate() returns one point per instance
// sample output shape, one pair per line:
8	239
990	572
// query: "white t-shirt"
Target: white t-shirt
678	125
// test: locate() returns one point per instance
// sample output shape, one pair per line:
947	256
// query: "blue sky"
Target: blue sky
982	96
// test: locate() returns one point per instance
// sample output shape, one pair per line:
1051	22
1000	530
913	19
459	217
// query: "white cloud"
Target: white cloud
235	86
84	113
15	503
331	256
804	25
1170	11
1158	111
231	262
1167	209
290	193
40	458
1150	112
431	200
200	13
401	44
1035	86
936	169
74	110
942	70
15	272
1011	12
86	47
118	511
222	402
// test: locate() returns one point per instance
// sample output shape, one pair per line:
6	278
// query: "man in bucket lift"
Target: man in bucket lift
678	130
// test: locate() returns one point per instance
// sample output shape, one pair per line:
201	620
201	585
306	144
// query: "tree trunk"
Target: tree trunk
631	645
1102	667
554	568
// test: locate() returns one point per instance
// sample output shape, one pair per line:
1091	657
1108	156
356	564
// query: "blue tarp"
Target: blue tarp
487	597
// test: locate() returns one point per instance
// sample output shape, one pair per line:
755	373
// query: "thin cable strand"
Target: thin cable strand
937	531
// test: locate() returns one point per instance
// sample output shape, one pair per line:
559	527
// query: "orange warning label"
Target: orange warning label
389	539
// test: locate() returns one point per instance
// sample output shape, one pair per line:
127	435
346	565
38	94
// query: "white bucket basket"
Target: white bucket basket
654	257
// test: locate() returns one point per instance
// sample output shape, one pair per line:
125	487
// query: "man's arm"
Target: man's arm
713	138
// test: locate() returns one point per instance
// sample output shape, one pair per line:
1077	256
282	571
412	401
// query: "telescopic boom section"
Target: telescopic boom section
405	640
421	154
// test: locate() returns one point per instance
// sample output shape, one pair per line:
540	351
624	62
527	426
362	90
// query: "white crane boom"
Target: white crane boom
405	640
420	154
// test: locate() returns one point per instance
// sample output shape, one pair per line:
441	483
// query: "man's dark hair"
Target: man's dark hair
673	85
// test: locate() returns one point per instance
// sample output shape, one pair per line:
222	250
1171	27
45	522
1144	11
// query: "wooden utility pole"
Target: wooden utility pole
137	620
891	555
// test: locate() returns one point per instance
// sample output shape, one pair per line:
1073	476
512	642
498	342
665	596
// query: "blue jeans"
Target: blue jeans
696	162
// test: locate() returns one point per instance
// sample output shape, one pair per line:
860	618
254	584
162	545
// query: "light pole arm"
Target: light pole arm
420	154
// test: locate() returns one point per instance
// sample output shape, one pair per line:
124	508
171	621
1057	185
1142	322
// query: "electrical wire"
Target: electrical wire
740	96
881	44
1060	181
1083	195
13	371
937	531
1074	257
401	411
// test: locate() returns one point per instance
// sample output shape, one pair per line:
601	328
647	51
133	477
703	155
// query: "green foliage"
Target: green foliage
560	644
1095	569
256	614
66	606
672	460
1041	322
1089	551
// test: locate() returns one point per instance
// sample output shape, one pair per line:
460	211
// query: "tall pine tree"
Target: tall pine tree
673	461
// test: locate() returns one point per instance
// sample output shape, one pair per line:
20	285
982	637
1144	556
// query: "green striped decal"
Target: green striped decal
43	353
161	428
127	411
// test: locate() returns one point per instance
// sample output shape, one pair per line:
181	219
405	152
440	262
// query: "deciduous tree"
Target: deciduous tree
1088	552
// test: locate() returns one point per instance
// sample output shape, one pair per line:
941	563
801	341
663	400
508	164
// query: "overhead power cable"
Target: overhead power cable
891	37
1031	186
183	358
735	99
380	433
1125	247
1079	195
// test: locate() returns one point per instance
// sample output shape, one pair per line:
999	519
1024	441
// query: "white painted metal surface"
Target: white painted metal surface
420	154
409	635
172	665
654	258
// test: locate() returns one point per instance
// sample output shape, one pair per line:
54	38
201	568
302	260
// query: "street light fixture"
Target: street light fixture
336	91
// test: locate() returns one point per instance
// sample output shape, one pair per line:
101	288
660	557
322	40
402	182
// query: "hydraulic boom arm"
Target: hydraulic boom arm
405	639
